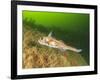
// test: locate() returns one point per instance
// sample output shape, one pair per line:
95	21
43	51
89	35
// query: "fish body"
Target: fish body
54	43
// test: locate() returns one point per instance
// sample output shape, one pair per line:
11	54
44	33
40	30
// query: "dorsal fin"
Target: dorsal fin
50	34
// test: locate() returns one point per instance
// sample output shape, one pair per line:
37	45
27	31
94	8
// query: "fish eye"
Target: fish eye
42	38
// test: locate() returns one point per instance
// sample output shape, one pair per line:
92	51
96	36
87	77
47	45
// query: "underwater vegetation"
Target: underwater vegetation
39	56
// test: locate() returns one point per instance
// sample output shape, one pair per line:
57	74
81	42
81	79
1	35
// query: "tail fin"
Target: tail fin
74	49
79	50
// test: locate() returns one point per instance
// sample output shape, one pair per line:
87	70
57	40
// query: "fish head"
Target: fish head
43	40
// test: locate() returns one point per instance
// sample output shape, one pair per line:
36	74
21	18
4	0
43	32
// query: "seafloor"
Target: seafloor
38	56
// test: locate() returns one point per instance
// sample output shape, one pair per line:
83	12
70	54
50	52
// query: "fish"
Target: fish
54	43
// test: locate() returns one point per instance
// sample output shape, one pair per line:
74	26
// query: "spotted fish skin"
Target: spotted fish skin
54	43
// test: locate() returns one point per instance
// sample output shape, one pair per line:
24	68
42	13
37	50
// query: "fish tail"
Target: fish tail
79	50
74	49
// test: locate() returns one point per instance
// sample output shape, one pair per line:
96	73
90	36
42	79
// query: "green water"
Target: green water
72	28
